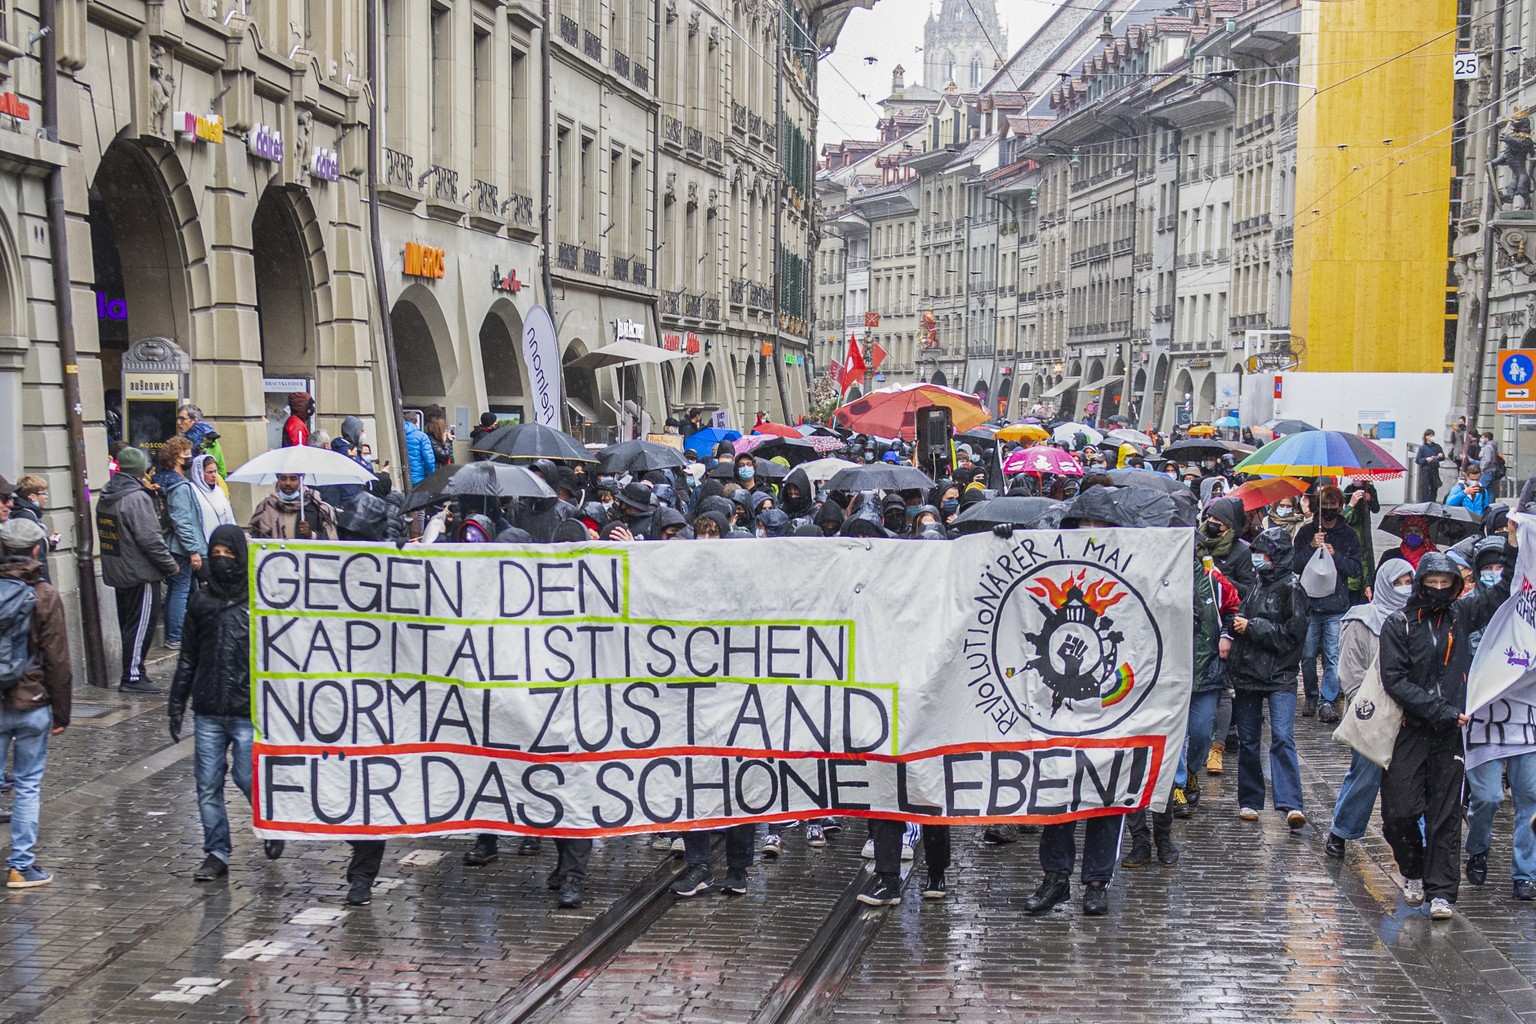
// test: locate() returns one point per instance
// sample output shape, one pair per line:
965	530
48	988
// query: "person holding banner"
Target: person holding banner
1426	651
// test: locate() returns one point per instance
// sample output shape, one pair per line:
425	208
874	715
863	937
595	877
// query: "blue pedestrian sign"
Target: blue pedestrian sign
1516	391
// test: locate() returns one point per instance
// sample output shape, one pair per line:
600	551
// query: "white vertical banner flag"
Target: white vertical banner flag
1501	685
541	356
605	689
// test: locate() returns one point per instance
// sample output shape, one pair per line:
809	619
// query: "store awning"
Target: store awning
1067	383
581	409
1102	383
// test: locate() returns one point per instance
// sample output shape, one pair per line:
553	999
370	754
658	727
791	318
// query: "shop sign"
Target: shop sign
509	284
111	309
12	105
628	330
325	165
423	260
198	128
267	144
691	347
672	342
871	319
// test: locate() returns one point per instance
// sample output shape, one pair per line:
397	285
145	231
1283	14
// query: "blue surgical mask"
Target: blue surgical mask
952	505
1260	562
1413	541
287	495
746	472
1490	579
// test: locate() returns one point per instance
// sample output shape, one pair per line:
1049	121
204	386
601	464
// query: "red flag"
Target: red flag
853	366
878	357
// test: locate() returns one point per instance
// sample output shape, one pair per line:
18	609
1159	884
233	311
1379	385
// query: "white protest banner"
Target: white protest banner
541	353
604	689
1501	686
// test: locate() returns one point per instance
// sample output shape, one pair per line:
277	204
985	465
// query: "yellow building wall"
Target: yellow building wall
1368	284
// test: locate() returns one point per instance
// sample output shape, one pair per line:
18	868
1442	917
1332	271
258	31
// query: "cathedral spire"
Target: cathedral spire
963	44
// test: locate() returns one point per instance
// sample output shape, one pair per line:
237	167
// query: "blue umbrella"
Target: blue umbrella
1228	421
704	441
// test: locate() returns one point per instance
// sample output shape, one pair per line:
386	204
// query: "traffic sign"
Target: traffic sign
1467	65
1516	384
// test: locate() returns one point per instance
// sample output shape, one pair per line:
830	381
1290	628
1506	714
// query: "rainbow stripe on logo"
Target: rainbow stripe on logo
1123	690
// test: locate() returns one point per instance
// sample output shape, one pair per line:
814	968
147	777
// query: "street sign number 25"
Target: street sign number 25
1468	65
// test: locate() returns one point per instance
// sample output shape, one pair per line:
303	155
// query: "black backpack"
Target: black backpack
17	602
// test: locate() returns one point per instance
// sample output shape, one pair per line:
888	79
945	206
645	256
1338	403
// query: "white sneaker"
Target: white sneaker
868	853
678	847
1441	910
1248	814
661	841
1413	891
815	836
1295	819
772	846
907	852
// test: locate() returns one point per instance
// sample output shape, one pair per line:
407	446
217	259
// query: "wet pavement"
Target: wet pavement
1253	924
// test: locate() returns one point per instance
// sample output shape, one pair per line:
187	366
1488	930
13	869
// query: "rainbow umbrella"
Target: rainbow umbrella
1317	453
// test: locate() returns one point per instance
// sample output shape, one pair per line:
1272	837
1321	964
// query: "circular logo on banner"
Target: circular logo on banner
1075	648
1517	369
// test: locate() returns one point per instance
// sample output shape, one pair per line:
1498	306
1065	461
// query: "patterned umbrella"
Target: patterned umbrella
1042	459
1316	453
892	412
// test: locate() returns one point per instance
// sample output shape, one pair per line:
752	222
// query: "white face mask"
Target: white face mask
1406	589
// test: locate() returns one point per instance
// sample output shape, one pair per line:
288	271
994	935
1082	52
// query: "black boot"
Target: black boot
1309	708
1477	868
570	894
1140	854
1096	899
528	846
1053	890
1162	838
483	852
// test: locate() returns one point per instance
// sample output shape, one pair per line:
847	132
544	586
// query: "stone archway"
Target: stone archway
1206	402
1004	394
709	388
690	391
1159	396
19	406
424	348
501	361
939	378
285	288
1183	390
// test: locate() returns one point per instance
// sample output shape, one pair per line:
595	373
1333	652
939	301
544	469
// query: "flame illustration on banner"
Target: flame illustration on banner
1077	650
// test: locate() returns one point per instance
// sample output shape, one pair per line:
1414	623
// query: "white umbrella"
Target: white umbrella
822	470
320	467
621	353
1067	433
1132	436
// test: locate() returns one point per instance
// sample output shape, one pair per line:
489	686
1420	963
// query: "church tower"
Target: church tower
962	44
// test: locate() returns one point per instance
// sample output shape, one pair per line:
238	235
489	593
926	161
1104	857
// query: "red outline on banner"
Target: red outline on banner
1157	743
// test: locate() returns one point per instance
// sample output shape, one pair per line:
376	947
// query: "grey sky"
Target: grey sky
891	33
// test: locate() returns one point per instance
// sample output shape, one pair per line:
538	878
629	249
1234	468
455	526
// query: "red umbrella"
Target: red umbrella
1042	459
1259	493
777	430
892	412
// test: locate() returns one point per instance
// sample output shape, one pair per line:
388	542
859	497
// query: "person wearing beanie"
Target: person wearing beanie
37	706
486	427
134	562
300	408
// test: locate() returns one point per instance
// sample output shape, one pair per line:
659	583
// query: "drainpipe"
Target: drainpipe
382	288
546	128
1160	398
778	219
74	419
1490	208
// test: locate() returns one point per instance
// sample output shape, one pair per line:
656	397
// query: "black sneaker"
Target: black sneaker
735	882
1140	854
1053	889
1192	790
143	688
1309	708
360	894
483	852
553	880
212	869
1328	713
831	826
1525	889
273	848
695	879
1096	900
1477	868
570	895
1335	846
1167	851
881	892
528	846
1000	835
936	889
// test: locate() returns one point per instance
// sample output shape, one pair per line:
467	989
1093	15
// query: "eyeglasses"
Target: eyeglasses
183	418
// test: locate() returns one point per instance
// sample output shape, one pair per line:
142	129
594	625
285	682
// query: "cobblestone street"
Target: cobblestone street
1254	924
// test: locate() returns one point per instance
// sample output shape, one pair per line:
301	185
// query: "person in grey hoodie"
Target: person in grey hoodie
134	559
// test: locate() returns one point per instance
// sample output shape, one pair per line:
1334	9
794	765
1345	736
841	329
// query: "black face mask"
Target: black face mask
1213	529
1330	514
225	568
1437	597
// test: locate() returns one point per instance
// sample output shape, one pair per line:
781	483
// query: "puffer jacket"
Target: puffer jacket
132	548
418	453
1427	652
214	668
49	683
1266	657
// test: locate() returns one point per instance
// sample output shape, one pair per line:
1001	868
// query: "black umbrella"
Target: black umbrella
880	476
792	450
765	470
1020	510
534	441
639	457
1195	450
1146	480
1289	426
1124	506
1447	523
477	480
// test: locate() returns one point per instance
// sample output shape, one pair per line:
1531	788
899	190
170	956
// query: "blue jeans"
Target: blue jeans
1357	798
26	734
216	734
1322	633
177	589
1284	768
1203	705
1486	783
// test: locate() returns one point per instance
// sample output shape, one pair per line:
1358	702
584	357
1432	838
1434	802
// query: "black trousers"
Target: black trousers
571	856
367	856
137	609
1101	848
1144	825
740	841
1425	779
887	836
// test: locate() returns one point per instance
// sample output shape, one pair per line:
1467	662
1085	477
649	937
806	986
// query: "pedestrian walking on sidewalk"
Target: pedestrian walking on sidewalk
1332	532
134	561
36	684
186	537
214	674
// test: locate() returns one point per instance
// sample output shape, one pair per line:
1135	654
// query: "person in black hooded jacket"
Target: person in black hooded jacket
1220	537
1426	651
214	672
829	517
797	496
